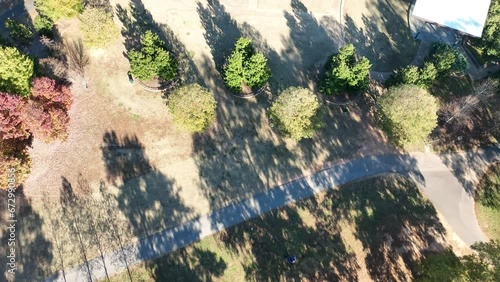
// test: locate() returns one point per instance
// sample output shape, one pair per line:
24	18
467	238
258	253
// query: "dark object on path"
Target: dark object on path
292	259
130	78
345	110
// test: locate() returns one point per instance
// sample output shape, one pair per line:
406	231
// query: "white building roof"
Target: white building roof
468	16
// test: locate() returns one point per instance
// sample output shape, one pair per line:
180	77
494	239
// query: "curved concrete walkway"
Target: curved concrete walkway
436	180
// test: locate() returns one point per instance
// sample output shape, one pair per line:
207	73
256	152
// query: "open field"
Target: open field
375	229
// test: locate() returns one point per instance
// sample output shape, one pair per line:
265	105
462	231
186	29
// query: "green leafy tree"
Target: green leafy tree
445	266
57	9
422	77
344	72
296	113
408	114
98	27
192	107
488	193
16	71
490	41
44	26
19	32
153	60
447	59
428	74
245	68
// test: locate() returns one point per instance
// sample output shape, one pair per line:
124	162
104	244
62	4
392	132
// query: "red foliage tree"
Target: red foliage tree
47	91
46	115
11	122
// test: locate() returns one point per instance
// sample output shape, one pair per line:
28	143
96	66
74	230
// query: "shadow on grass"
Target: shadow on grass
383	35
242	155
148	199
33	250
387	216
314	40
136	20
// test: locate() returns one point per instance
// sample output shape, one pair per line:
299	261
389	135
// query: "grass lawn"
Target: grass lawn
489	217
372	229
489	220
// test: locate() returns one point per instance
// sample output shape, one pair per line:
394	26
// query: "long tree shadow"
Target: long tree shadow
221	31
147	198
314	41
136	20
382	34
391	220
267	242
33	250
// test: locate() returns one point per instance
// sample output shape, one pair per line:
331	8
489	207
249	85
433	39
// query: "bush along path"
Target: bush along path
436	180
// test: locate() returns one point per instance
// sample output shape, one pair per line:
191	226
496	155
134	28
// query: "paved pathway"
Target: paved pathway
437	181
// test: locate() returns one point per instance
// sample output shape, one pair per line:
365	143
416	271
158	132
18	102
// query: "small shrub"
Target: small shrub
44	26
423	77
296	113
20	162
153	60
447	59
245	68
16	71
19	32
408	114
11	121
488	193
345	73
57	9
428	74
98	27
192	107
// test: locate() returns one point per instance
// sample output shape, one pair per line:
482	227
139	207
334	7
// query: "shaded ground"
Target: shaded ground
373	229
480	129
379	30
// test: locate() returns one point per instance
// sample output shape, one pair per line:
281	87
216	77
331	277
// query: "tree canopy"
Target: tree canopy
490	40
98	27
16	71
153	60
245	67
345	73
57	9
408	114
296	113
192	107
482	266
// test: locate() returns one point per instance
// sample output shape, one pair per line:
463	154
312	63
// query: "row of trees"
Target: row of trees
29	107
